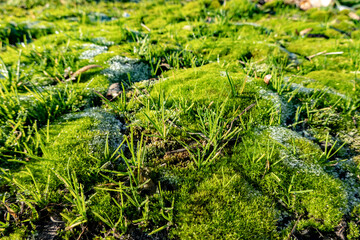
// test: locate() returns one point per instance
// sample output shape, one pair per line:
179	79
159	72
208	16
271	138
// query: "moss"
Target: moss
82	151
332	33
355	34
353	231
291	161
192	9
214	49
17	32
204	84
240	9
344	25
103	204
305	46
17	235
123	69
338	81
319	15
224	206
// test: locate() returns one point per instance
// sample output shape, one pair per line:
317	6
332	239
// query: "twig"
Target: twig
316	54
55	221
324	53
81	70
293	229
144	26
193	143
200	134
82	232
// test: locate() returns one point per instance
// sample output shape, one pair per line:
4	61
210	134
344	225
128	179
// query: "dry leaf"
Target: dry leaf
354	16
267	78
305	5
113	91
305	31
81	70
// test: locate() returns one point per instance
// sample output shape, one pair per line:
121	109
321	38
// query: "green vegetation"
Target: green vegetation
174	119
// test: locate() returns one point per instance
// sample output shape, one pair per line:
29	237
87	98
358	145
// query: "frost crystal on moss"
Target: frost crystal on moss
93	51
102	41
305	90
100	17
284	136
278	103
105	124
121	68
343	170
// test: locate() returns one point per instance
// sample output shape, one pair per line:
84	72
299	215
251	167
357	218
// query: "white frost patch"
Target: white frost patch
102	41
350	182
105	124
93	51
284	136
278	103
121	68
343	169
305	90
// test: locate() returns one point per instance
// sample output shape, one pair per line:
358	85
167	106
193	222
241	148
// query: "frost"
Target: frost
100	17
349	181
105	126
284	136
122	67
343	170
102	41
93	51
282	107
305	90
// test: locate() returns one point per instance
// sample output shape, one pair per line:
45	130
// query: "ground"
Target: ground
177	119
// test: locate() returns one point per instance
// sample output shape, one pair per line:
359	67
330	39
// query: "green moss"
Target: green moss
339	81
291	163
344	25
203	85
305	46
192	9
355	34
224	198
17	235
319	15
214	49
77	142
353	231
240	9
332	33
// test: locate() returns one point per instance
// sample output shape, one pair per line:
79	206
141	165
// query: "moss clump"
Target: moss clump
289	169
77	142
340	82
355	34
238	9
224	206
319	15
15	33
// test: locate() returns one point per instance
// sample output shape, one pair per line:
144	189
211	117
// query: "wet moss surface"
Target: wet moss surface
179	120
